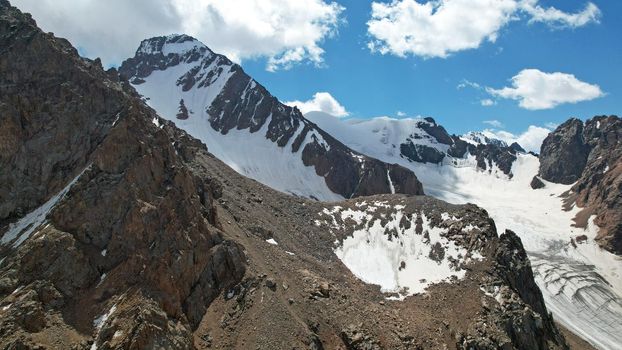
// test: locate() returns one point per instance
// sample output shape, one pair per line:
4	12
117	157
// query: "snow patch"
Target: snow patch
99	322
272	241
397	258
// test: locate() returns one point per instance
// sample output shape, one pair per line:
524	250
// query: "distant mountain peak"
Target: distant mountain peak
479	138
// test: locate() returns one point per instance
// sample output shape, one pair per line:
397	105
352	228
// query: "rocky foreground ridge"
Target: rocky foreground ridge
589	155
120	231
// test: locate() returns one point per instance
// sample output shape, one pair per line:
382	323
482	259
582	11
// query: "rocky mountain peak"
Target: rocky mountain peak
163	52
173	44
564	153
590	156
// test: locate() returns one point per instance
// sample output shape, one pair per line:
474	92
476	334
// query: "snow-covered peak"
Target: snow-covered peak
384	136
479	138
387	130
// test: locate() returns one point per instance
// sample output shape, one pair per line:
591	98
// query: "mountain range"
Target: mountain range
175	203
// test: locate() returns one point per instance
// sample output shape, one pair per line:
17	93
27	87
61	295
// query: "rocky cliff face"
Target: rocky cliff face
590	155
105	231
147	241
225	103
564	153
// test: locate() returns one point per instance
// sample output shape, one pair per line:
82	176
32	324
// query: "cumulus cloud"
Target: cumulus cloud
287	32
442	27
531	139
536	90
323	102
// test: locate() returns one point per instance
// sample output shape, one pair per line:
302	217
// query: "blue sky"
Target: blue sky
370	84
293	37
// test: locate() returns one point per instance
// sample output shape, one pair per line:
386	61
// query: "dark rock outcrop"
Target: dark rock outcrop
488	154
34	162
532	327
564	153
421	153
436	131
183	111
536	183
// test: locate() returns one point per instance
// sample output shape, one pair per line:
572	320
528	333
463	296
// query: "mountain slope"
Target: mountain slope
249	129
580	282
150	242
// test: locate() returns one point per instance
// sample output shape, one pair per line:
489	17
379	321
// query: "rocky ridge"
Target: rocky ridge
590	156
145	240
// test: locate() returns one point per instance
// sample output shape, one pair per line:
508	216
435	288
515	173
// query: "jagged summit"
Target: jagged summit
171	44
162	52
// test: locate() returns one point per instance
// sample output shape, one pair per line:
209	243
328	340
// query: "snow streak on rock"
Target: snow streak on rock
19	231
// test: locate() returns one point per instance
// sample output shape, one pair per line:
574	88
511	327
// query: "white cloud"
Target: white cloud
487	102
493	123
555	17
323	102
441	27
109	29
536	90
530	140
287	32
401	114
436	28
466	83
